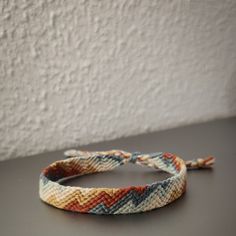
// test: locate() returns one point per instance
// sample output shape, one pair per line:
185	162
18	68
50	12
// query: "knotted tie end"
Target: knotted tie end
199	163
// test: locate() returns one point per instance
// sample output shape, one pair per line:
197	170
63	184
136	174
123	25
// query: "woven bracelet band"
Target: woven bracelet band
125	200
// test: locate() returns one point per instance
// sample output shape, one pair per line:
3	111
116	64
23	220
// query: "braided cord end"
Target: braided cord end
199	163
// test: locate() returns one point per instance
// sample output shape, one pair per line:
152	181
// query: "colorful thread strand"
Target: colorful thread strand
115	200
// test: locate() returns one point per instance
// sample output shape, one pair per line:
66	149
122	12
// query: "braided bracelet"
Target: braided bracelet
115	200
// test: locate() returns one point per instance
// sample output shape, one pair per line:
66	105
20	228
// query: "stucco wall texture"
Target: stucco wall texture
77	72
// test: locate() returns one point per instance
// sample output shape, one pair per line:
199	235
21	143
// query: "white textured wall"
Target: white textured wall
75	72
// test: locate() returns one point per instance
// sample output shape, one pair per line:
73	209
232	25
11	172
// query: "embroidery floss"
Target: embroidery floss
125	200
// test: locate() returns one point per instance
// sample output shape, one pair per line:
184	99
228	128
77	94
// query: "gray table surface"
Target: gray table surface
207	208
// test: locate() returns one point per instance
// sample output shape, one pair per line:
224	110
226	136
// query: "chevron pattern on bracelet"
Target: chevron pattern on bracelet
125	200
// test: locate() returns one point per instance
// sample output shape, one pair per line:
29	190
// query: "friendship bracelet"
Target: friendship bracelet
125	200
